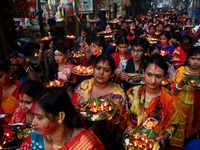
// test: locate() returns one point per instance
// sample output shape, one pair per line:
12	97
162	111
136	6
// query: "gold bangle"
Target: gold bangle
29	70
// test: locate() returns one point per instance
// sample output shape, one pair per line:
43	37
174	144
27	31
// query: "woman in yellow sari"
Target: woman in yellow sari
188	98
152	106
9	89
100	86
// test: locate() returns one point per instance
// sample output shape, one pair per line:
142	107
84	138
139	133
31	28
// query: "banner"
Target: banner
85	6
26	8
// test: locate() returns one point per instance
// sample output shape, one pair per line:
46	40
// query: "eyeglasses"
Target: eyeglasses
137	51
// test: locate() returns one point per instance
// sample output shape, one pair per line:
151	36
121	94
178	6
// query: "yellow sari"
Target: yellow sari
8	104
185	98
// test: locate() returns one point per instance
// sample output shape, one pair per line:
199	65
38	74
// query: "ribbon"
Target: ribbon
81	8
78	18
62	8
74	7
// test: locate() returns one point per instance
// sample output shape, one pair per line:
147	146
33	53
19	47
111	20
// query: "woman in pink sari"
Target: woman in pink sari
61	68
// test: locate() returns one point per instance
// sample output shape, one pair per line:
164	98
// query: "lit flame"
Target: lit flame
51	84
150	145
135	143
95	110
105	104
102	107
94	104
35	54
109	108
146	141
7	134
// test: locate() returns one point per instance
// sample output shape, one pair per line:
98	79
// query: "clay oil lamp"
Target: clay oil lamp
192	81
136	136
83	109
164	82
51	84
102	108
93	110
137	143
89	71
91	105
36	55
105	104
151	143
109	108
143	137
163	53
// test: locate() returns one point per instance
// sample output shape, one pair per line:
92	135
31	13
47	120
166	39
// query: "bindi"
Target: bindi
137	46
196	55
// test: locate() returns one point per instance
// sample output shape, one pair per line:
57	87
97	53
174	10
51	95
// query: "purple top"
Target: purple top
169	48
182	32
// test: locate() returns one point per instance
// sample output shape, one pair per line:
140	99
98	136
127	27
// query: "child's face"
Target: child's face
155	51
185	45
173	40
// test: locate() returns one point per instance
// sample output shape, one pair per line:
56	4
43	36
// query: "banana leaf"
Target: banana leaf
99	117
189	77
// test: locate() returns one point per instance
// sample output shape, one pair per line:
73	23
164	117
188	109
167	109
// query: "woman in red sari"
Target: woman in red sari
9	89
58	125
27	92
121	54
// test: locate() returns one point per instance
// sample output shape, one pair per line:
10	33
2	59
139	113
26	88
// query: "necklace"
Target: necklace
100	93
57	147
122	57
7	88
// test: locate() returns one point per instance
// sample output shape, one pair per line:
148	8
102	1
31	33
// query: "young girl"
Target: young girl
135	64
61	68
175	39
164	42
180	53
87	41
187	97
97	48
121	54
154	49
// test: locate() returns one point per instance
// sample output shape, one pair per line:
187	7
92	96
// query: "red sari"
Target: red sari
86	140
19	116
115	55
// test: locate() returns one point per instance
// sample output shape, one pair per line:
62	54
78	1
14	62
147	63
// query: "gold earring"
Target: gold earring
60	119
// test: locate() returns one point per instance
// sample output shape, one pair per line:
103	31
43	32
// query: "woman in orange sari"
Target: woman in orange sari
58	125
9	96
152	106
